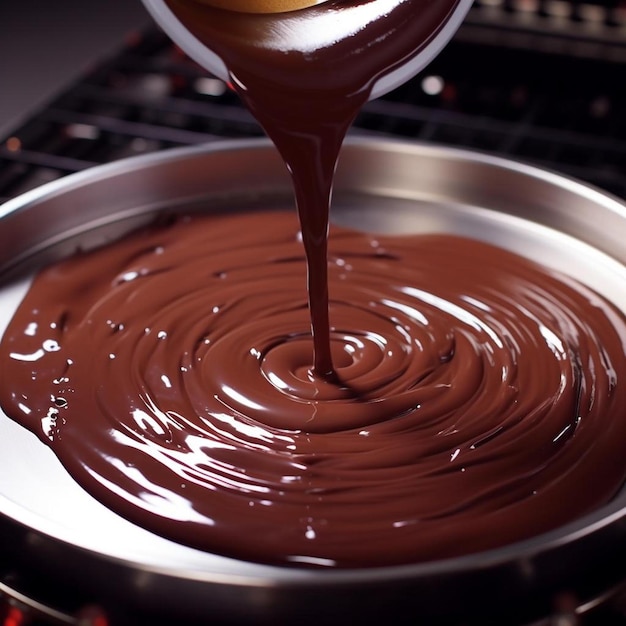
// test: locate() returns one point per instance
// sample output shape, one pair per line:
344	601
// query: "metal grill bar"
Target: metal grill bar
507	84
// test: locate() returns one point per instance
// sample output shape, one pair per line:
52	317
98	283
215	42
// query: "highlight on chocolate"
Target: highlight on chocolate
261	6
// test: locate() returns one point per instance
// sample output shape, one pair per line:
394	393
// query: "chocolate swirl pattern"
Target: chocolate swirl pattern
479	399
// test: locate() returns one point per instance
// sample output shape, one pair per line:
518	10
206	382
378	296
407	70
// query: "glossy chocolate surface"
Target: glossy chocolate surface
481	398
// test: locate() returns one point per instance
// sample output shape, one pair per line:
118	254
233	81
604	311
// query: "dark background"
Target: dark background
44	44
84	82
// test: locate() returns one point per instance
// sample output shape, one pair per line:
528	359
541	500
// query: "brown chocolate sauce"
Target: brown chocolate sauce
459	399
305	75
482	398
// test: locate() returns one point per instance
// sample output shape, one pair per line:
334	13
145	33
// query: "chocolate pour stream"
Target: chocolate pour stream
481	398
305	75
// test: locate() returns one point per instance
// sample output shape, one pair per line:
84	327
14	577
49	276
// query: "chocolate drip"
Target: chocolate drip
305	75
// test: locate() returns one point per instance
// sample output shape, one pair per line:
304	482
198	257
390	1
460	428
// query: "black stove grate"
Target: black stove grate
535	80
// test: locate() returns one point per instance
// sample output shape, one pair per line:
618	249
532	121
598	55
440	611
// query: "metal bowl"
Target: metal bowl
61	548
169	22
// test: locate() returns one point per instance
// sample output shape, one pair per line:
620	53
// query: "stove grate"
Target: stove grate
551	96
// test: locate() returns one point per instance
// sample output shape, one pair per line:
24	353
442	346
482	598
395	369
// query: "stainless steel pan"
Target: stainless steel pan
60	547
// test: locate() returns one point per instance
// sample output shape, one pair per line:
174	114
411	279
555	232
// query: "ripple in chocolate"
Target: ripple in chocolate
480	398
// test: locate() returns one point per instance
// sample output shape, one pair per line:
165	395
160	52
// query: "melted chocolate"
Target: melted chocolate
461	397
482	398
305	75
